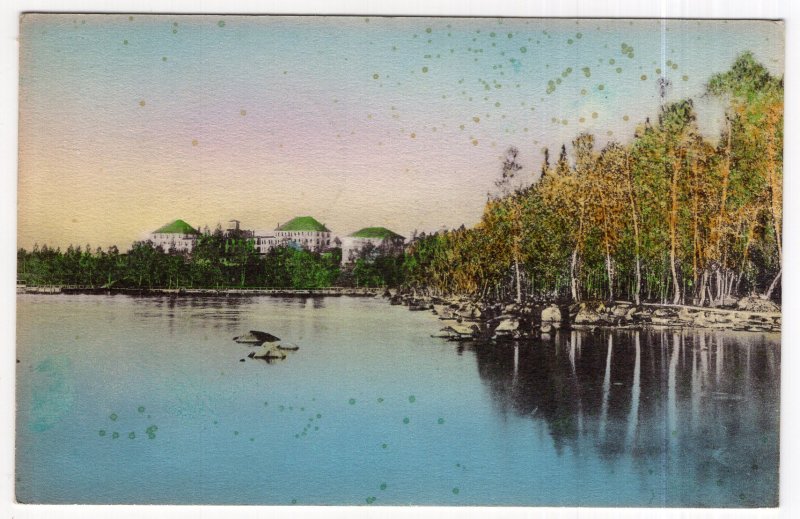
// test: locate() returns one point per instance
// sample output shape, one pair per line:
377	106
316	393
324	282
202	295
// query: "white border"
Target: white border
773	9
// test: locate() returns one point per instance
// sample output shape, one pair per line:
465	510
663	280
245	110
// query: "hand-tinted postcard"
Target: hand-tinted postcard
275	260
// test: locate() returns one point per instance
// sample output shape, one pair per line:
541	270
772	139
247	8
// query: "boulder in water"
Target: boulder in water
255	337
508	328
620	310
587	315
288	346
444	333
551	314
269	353
462	331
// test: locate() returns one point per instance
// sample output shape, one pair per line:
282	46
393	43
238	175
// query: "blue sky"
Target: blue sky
128	122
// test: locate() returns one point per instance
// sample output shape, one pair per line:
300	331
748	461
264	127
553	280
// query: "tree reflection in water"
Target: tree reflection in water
647	397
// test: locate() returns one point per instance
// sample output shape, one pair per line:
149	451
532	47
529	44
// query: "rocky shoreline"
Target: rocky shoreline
470	319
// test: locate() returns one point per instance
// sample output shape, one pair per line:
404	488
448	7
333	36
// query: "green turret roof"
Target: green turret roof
176	227
303	223
375	232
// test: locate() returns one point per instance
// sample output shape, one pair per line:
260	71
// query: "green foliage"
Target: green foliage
216	262
668	217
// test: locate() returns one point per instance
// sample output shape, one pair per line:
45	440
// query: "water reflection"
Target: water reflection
704	412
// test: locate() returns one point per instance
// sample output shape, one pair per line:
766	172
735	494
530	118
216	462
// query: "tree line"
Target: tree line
218	260
671	216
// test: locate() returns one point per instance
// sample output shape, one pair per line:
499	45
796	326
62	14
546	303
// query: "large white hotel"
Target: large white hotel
301	232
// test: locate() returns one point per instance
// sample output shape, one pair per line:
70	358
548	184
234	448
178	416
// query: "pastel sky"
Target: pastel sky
129	122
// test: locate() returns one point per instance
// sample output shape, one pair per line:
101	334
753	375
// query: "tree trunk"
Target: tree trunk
573	282
695	228
775	190
610	275
703	284
574	263
773	284
673	224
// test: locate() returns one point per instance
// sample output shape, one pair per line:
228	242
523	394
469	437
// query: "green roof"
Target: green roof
303	223
375	232
176	227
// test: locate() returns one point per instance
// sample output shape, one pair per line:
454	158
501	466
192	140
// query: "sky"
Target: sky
129	122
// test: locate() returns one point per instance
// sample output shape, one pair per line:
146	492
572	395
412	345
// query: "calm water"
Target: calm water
145	400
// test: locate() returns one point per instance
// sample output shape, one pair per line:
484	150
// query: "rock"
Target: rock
665	317
551	314
757	304
443	311
587	315
269	352
256	337
665	313
464	311
508	328
507	324
251	354
686	314
756	328
241	360
701	320
463	331
288	346
444	333
620	310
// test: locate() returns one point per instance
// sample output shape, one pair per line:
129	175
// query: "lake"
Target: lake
126	399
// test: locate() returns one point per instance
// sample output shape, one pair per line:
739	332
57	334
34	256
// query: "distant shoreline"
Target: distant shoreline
203	292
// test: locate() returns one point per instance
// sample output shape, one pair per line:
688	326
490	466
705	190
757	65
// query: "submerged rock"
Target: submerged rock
288	346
